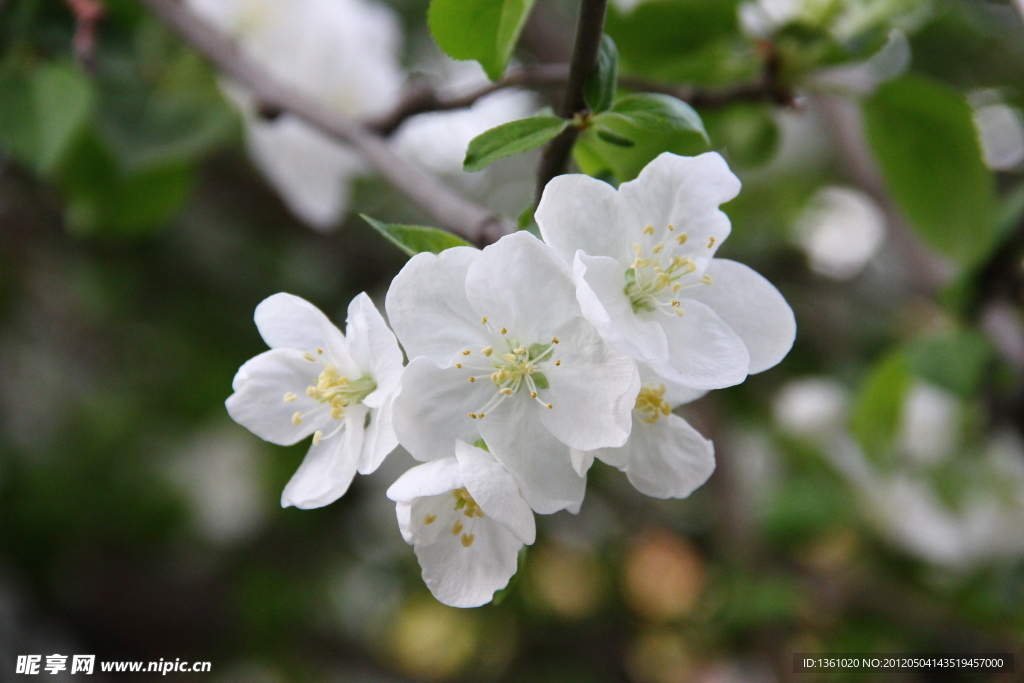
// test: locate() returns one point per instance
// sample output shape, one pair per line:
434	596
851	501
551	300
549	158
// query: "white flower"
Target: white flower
467	520
341	52
664	457
1000	131
812	407
841	230
645	276
498	351
316	380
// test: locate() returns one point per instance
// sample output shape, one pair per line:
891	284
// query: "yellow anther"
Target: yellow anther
558	362
480	416
457	528
487	351
317	435
467	540
464	501
707	280
658	248
711	242
676	287
483	320
550	406
670	228
472	415
554	340
533	394
466	352
472	379
651	403
289	397
504	331
675	304
519	351
430	519
320	351
337	412
506	391
637	250
297	418
510	357
308	356
649	230
458	365
682	238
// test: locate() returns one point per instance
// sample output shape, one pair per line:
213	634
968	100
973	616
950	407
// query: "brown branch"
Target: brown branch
454	212
589	28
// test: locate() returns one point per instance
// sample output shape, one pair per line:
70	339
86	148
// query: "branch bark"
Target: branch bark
452	211
589	28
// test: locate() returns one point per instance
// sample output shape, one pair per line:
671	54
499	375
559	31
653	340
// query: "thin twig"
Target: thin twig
584	59
452	211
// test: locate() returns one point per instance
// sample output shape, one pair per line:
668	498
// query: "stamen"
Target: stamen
466	352
472	379
550	406
682	238
317	436
533	394
289	397
297	418
483	320
320	351
504	331
558	362
658	248
430	519
711	242
457	528
670	228
467	540
707	280
649	230
510	357
506	391
458	365
554	340
487	351
308	356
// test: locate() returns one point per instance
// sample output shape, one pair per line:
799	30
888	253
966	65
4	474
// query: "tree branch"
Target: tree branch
454	212
584	59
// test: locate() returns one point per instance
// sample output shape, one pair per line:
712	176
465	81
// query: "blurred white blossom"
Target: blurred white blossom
840	231
1000	131
930	425
811	407
341	52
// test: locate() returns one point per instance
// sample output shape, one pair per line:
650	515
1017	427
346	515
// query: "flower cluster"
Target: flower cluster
527	360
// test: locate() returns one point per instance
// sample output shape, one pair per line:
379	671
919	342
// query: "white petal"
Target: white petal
380	438
310	170
704	352
539	462
592	392
429	479
467	576
286	321
428	308
580	212
684	192
432	409
753	308
495	491
581	461
675	394
328	469
520	283
600	288
666	459
373	347
260	387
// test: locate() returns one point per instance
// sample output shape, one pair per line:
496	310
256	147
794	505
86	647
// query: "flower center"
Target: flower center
518	369
340	391
651	403
655	277
470	509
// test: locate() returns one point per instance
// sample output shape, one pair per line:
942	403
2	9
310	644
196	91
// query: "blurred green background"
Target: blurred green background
869	495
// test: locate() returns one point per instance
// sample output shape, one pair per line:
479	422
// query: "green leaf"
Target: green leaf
414	239
484	30
613	138
599	158
878	408
599	90
511	138
657	113
923	135
955	360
